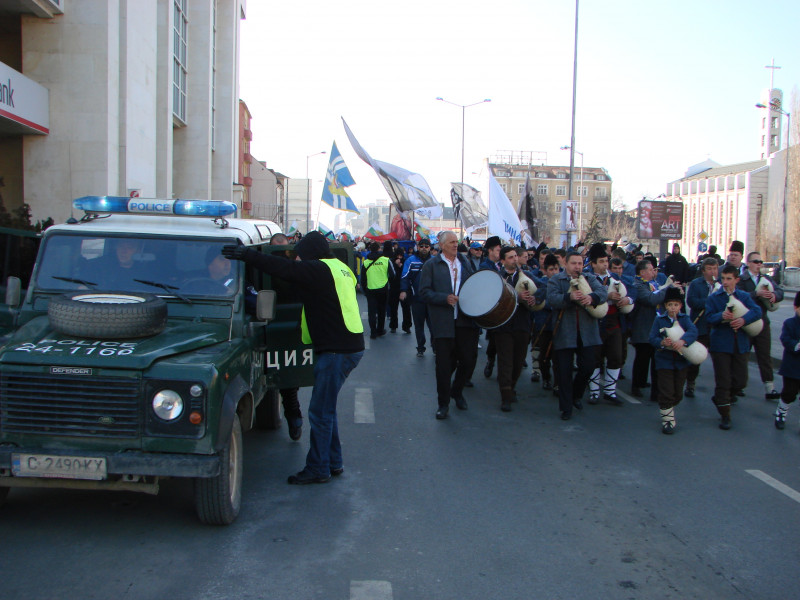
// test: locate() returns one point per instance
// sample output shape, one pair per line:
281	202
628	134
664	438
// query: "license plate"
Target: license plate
59	467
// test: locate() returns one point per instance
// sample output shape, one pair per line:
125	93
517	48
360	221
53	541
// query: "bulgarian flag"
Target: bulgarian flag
326	232
376	233
292	229
423	232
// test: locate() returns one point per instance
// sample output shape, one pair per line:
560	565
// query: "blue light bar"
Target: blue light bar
154	206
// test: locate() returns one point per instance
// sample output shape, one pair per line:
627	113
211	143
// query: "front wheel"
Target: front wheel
218	499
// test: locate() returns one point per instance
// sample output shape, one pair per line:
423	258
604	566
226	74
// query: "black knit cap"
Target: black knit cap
312	246
737	246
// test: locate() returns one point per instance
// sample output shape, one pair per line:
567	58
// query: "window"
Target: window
503	187
585	208
773	140
763	139
542	189
561	175
774	122
179	43
558	222
561	190
601	210
601	178
582	191
541	175
600	192
558	207
542	206
763	122
712	185
520	188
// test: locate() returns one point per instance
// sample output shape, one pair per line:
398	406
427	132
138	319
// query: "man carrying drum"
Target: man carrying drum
455	335
575	331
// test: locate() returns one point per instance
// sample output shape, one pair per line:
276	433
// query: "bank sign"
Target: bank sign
23	102
660	220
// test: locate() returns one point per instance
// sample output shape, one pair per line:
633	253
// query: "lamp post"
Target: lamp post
464	108
308	192
788	116
580	191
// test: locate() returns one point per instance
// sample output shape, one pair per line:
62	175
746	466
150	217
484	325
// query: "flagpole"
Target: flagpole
572	139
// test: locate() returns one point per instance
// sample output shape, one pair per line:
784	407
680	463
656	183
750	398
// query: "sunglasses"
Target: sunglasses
757	262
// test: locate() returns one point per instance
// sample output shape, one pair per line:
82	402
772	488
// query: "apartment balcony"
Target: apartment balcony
248	134
247	181
248	158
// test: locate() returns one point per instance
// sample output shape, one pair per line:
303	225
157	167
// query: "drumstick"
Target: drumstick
698	317
555	329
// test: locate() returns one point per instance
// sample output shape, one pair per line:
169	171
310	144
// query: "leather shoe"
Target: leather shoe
689	393
461	402
566	415
337	472
725	423
441	412
577	404
487	370
305	477
535	377
740	393
295	428
773	395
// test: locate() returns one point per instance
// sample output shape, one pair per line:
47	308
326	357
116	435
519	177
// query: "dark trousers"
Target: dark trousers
543	353
457	354
761	344
610	351
642	363
394	302
419	312
791	387
730	376
670	387
694	370
570	389
291	405
511	349
376	310
491	349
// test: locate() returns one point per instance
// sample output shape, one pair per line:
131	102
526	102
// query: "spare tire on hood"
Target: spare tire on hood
108	315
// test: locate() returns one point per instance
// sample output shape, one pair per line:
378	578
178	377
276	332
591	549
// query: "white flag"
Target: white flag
430	212
408	191
503	219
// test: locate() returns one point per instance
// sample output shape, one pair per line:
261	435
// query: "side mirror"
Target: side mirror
13	291
265	305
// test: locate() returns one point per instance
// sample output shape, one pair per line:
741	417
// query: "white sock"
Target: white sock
594	382
782	408
668	415
610	386
769	386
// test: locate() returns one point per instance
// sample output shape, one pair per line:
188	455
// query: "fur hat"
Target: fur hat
597	251
550	260
492	242
737	246
673	294
312	246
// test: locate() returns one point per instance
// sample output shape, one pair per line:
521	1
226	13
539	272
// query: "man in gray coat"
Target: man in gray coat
455	335
575	331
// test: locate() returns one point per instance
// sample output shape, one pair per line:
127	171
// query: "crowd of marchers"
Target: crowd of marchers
577	311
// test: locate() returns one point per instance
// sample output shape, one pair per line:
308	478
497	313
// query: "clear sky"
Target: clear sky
661	85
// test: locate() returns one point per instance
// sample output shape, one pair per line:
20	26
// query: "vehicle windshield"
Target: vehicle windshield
162	266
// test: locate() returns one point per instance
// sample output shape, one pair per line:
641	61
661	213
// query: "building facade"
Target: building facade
591	188
141	97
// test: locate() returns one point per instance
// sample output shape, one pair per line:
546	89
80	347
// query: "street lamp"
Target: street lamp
580	191
308	192
788	115
464	108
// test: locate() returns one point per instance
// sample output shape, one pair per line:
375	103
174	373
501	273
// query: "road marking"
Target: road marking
630	399
364	408
774	483
370	590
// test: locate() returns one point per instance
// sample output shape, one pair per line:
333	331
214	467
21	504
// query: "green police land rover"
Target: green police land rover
138	352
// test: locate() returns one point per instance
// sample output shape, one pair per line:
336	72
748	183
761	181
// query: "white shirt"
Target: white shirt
455	276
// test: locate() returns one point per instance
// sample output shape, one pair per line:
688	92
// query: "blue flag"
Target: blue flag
338	178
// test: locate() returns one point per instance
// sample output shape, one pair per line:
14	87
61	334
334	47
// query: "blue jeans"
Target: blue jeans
330	371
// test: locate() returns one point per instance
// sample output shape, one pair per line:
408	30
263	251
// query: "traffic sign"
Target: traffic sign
702	247
702	236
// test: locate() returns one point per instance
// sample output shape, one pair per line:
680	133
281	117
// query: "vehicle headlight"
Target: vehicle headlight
168	405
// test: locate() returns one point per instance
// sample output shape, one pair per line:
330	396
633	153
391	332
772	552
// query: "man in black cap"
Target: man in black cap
409	284
677	265
735	256
331	322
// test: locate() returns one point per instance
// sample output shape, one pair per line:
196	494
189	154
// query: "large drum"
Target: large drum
487	298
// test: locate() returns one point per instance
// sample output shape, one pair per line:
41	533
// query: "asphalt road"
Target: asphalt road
483	505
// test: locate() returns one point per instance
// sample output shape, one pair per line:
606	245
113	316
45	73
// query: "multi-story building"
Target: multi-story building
118	97
745	201
591	188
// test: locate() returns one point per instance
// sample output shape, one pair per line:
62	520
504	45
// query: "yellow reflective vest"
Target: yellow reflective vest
378	273
345	283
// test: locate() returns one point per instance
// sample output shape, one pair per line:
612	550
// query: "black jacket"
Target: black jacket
317	292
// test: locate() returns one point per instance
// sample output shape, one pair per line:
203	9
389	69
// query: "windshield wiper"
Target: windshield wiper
90	284
170	289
